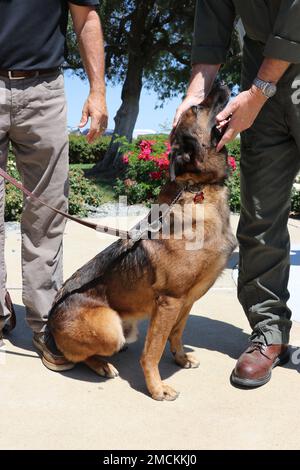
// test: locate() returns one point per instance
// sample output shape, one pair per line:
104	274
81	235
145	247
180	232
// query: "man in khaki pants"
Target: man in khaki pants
33	120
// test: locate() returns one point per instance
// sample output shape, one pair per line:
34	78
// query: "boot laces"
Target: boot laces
256	346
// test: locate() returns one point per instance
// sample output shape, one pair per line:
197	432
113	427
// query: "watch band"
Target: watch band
267	88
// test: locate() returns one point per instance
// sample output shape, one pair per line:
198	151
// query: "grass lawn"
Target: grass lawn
107	190
82	166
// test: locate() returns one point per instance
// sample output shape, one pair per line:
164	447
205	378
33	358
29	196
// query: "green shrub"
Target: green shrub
234	149
13	196
295	203
146	171
80	151
83	193
233	182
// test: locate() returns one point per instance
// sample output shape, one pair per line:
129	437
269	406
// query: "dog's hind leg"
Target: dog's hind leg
101	367
159	329
183	359
91	332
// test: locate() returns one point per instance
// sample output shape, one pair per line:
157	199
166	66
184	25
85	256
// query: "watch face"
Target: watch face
270	90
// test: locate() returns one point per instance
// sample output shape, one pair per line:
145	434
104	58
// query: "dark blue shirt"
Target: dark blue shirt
33	33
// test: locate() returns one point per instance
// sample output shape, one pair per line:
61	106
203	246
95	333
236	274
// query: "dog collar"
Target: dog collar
199	197
194	188
197	190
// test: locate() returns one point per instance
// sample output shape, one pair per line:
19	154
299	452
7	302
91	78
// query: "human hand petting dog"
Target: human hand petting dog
192	99
95	109
202	79
239	114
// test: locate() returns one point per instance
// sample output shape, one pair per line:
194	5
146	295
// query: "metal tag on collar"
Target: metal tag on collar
199	197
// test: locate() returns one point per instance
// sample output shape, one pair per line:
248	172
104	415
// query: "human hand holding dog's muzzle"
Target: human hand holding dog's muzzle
239	115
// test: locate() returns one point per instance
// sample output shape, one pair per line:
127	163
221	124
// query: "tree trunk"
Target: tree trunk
111	165
126	117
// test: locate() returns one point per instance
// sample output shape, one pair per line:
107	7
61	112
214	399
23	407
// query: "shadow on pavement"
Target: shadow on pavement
21	336
201	332
294	362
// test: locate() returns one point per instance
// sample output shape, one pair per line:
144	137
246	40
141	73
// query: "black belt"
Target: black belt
21	74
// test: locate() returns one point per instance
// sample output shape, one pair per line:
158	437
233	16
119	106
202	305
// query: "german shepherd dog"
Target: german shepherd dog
97	309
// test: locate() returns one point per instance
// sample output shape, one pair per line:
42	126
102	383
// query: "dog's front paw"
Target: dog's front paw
108	370
102	368
187	360
165	392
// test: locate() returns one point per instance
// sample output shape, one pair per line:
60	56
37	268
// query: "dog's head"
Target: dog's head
193	142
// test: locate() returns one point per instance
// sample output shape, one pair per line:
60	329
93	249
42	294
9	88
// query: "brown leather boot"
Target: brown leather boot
254	367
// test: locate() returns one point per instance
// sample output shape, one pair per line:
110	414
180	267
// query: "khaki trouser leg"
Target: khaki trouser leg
40	142
269	163
4	129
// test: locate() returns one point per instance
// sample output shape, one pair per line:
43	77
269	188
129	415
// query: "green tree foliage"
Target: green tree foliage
158	33
148	44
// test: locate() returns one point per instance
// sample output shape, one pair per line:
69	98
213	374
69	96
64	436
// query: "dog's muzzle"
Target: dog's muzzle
177	164
172	168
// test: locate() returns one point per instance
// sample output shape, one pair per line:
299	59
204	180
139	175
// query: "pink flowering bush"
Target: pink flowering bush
233	181
146	169
146	163
232	163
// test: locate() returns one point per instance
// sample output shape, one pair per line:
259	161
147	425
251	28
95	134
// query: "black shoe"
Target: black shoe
51	357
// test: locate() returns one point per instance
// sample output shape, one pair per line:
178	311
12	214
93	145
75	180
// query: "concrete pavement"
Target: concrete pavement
79	410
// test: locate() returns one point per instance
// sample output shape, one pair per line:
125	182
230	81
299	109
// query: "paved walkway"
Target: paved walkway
77	409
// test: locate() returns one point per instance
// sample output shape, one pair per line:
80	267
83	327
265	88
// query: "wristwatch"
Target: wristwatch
269	89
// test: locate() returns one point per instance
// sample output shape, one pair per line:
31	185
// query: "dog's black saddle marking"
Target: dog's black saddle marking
93	270
129	258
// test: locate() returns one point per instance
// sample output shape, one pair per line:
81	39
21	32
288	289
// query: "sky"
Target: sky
149	117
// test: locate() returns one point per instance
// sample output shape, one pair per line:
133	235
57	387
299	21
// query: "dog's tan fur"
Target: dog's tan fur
157	279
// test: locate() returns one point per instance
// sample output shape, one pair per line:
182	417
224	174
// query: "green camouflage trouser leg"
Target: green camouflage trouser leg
269	163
